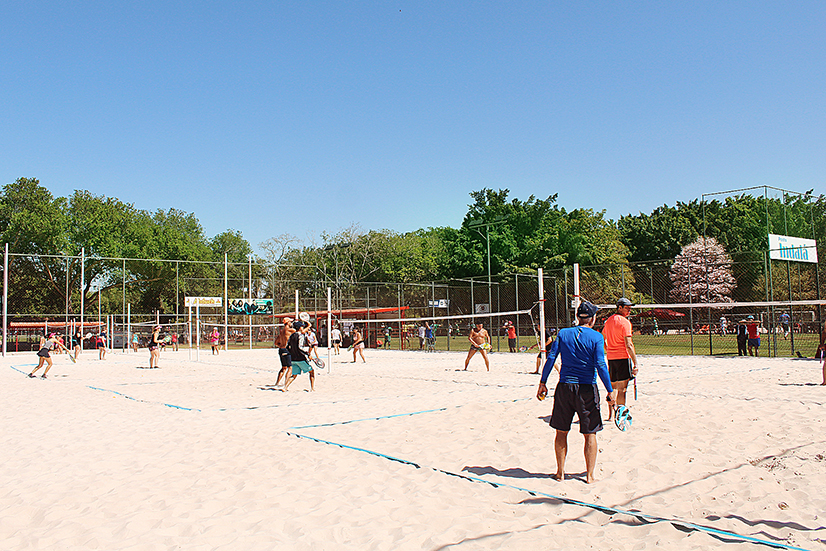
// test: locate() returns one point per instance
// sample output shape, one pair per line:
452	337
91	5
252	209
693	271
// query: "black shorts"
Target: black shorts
286	359
43	353
620	370
570	398
511	343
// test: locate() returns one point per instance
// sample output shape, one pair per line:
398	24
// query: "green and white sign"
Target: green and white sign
794	249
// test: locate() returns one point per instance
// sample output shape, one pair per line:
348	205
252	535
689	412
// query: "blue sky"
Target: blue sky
304	117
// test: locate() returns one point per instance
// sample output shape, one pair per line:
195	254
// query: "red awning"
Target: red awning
349	312
51	324
661	314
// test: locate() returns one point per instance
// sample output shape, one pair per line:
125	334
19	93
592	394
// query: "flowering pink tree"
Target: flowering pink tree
702	271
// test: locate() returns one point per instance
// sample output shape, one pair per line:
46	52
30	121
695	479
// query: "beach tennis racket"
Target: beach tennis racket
319	363
523	348
74	361
622	418
304	316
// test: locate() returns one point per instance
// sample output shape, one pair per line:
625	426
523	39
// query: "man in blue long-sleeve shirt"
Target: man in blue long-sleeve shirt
583	358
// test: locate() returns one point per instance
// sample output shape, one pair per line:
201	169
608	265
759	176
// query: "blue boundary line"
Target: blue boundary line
650	519
395	415
142	401
602	508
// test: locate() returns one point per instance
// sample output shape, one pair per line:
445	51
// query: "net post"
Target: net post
541	278
189	331
198	331
577	298
329	328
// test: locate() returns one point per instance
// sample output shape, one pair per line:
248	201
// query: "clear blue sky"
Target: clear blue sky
303	117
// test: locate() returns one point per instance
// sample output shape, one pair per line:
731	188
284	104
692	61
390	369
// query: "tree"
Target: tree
702	273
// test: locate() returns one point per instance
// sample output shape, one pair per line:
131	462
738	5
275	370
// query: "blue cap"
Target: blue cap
586	310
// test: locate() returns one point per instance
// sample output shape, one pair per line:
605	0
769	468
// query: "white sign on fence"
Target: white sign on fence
440	303
795	249
483	308
206	302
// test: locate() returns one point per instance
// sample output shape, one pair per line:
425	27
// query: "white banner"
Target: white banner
213	302
795	249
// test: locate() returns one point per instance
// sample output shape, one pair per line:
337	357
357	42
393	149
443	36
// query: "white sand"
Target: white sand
735	444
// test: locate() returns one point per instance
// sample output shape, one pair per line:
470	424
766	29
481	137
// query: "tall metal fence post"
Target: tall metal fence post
516	302
5	297
690	309
541	281
68	335
567	306
226	310
82	295
329	330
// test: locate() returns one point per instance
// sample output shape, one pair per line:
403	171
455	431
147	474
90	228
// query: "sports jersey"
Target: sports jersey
616	328
583	357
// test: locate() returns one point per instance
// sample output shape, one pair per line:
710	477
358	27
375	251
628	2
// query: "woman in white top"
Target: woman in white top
335	336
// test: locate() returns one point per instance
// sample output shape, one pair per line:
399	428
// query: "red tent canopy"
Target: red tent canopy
660	314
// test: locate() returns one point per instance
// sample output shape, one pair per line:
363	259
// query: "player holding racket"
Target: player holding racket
47	345
619	349
299	349
479	342
583	359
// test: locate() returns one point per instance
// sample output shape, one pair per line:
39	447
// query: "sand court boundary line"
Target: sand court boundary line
722	535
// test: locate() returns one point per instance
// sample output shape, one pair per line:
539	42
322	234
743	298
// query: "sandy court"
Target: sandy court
209	455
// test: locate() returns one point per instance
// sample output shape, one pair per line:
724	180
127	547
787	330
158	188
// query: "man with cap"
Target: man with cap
583	359
754	336
619	349
283	353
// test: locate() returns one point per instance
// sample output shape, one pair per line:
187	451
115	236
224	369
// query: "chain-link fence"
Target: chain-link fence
682	309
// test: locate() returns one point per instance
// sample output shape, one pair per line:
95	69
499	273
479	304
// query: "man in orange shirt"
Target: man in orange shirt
620	352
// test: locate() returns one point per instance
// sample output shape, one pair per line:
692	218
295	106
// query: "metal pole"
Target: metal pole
198	331
226	313
68	336
567	306
329	329
447	296
516	298
82	295
249	262
5	297
490	296
189	332
690	309
541	278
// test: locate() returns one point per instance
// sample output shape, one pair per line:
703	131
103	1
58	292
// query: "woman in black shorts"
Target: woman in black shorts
46	345
154	347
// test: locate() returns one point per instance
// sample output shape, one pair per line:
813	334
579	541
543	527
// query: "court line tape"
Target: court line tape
142	401
408	414
720	534
649	519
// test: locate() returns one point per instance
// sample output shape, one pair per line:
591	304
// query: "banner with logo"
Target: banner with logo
204	302
794	249
249	307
